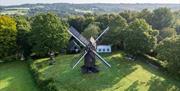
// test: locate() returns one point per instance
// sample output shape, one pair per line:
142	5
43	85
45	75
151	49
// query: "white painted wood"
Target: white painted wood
104	49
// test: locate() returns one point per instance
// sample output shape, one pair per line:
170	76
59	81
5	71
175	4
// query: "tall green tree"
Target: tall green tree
168	51
49	34
115	35
140	38
81	22
23	30
129	15
103	21
146	15
161	18
7	36
77	22
89	19
91	31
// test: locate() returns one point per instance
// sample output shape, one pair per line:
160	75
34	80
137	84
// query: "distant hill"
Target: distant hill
66	8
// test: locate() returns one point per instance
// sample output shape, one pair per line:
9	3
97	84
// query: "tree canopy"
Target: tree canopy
129	15
115	34
168	50
91	31
49	33
140	37
23	29
7	36
161	18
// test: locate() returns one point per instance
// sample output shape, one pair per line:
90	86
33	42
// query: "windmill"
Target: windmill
90	53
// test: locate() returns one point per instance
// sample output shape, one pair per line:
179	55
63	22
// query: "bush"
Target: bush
9	59
45	84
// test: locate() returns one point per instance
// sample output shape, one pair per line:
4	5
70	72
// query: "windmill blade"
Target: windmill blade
102	33
102	60
78	36
79	59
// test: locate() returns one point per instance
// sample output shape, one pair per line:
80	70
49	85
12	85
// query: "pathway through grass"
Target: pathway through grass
15	76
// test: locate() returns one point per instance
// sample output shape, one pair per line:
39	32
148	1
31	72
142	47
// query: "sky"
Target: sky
18	2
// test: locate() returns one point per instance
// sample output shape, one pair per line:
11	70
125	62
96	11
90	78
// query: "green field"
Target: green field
15	76
123	76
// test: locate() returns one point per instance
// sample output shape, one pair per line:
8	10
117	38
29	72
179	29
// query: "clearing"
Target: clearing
123	76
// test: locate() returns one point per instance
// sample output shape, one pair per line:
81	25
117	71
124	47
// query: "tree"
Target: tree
161	18
168	51
129	15
178	29
91	31
115	35
166	32
177	21
146	15
81	22
23	29
103	21
140	38
7	36
49	34
89	19
77	22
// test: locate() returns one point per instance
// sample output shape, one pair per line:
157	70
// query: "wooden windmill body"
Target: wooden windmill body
90	53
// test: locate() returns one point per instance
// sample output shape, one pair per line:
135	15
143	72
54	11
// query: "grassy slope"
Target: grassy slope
15	76
123	76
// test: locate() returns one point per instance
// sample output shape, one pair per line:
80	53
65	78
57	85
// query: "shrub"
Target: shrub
45	84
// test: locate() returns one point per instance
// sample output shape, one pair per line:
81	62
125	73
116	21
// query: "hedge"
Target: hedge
45	84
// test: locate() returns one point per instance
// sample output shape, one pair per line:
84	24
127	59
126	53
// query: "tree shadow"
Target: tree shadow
15	76
133	86
160	81
162	85
67	79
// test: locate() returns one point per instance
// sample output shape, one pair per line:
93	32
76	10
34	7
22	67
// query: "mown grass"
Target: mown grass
15	76
123	76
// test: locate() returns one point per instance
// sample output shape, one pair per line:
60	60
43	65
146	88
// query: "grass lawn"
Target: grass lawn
123	76
15	76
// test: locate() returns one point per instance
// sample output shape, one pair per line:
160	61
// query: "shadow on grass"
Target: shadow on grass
74	80
162	85
165	83
133	86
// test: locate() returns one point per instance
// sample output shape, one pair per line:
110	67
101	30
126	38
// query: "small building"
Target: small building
103	49
73	47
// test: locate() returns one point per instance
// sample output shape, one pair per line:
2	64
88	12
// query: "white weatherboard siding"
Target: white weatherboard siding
103	49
